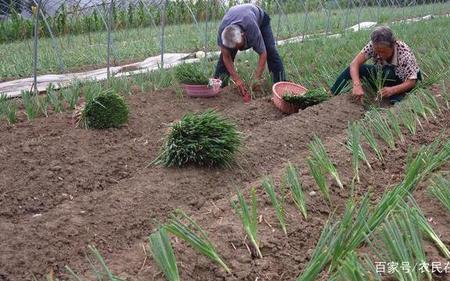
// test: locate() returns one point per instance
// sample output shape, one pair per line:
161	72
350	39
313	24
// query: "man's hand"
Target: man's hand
387	92
244	93
358	92
239	83
256	85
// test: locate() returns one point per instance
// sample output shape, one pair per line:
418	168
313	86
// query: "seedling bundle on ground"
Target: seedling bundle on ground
310	98
105	110
191	74
205	139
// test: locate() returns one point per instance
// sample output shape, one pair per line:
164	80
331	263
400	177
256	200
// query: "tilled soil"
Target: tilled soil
62	188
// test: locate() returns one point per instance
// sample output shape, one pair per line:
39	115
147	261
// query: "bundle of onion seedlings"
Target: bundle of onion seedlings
204	139
192	74
310	98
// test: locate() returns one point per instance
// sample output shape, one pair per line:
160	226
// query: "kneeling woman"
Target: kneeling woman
394	58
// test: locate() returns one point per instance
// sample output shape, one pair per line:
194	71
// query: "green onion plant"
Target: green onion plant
163	254
278	204
320	178
249	217
320	156
291	179
195	236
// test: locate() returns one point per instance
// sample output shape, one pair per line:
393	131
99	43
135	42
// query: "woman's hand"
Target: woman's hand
358	92
387	92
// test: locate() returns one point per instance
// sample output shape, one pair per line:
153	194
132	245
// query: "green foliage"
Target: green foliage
321	255
291	179
355	268
31	104
44	104
381	126
8	109
354	136
313	71
249	217
91	90
98	266
193	234
11	109
408	118
393	120
191	73
440	189
319	155
367	132
373	85
3	101
399	240
349	145
162	252
445	94
319	176
54	98
107	110
71	95
422	222
310	98
204	139
277	203
340	239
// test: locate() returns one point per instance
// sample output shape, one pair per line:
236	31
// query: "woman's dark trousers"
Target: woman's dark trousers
368	73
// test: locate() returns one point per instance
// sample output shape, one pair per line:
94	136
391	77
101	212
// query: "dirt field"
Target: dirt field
63	188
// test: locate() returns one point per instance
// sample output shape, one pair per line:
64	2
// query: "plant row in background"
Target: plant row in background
75	20
139	43
79	20
69	98
75	97
102	108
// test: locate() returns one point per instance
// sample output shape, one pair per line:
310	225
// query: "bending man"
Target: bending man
243	27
